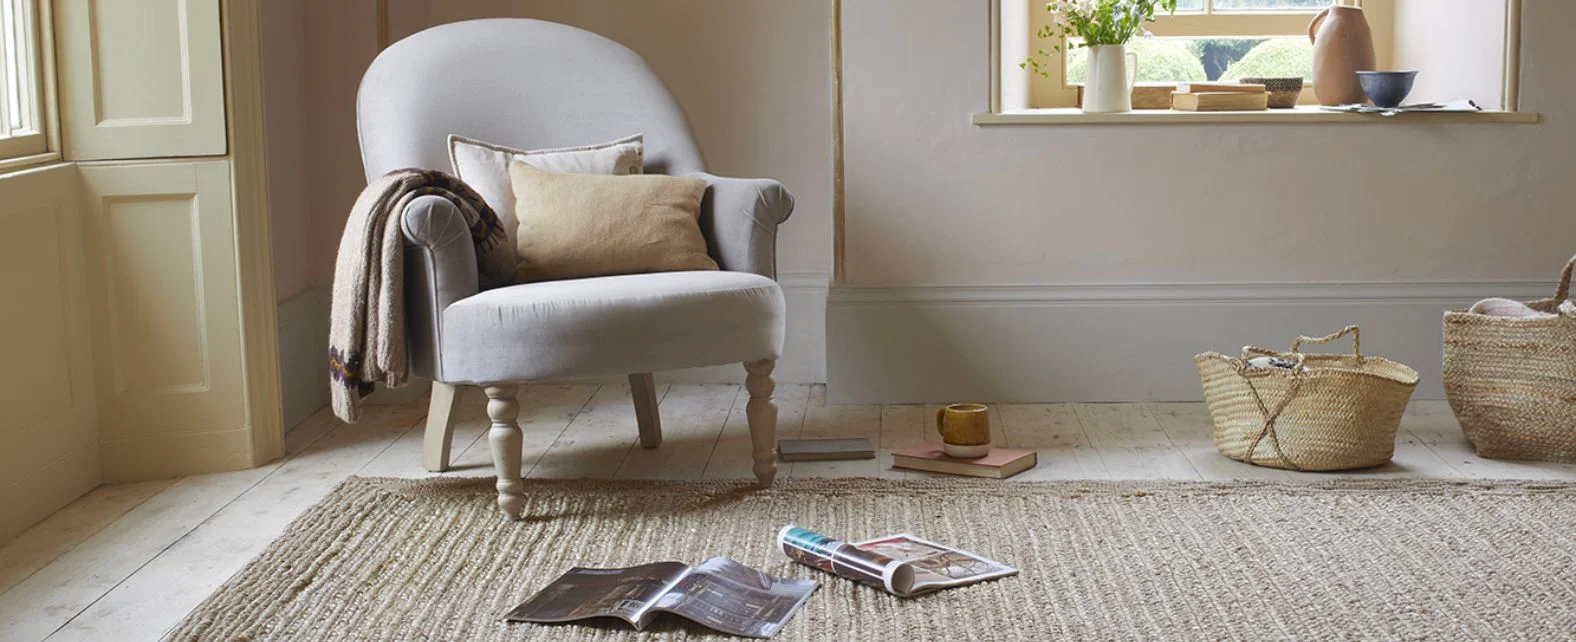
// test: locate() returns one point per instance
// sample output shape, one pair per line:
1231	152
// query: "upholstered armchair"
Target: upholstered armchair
530	84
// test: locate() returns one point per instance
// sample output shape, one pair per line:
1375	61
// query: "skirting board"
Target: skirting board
1100	343
47	488
303	354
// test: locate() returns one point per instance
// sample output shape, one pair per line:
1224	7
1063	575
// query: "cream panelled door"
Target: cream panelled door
144	78
166	322
49	451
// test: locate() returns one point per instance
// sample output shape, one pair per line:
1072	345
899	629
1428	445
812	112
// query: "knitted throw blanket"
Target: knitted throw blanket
366	336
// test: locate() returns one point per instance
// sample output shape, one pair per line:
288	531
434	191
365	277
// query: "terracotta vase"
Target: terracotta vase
1343	45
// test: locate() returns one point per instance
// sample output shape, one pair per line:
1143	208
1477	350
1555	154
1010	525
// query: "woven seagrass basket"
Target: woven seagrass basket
1325	412
1512	381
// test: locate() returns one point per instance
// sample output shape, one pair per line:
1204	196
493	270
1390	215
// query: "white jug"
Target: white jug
1109	87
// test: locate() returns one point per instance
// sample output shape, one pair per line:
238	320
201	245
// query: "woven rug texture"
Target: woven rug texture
384	559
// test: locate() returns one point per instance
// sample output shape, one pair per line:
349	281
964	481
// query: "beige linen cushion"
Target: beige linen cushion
485	167
583	225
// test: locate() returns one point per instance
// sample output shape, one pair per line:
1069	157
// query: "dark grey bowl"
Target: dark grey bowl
1387	88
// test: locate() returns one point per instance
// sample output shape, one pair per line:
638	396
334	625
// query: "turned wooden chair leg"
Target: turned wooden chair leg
762	414
440	427
506	441
643	387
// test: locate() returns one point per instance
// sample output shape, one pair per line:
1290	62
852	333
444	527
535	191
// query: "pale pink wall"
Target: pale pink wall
283	25
314	54
753	77
341	41
935	200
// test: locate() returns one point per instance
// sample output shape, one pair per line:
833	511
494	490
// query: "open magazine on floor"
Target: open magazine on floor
720	593
903	565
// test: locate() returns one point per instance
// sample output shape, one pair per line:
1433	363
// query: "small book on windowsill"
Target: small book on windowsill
1221	88
1219	101
1001	463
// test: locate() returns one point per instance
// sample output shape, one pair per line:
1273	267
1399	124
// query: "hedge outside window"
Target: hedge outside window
1206	40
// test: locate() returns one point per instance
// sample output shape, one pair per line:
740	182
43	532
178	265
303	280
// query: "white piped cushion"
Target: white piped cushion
611	325
485	167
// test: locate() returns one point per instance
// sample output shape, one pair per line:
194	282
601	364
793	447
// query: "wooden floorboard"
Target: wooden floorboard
151	601
597	439
731	457
693	417
127	562
69	527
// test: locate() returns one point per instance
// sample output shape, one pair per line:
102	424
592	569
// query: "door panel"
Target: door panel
166	316
48	434
156	90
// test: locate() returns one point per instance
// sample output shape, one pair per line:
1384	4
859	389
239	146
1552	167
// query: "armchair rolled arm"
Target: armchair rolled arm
739	217
440	268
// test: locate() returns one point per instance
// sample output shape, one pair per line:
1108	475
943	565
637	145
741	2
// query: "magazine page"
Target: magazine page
843	559
935	566
733	598
624	593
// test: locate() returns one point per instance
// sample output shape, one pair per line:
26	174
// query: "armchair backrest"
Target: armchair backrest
528	84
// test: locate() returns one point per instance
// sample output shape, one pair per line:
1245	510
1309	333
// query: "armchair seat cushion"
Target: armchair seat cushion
611	325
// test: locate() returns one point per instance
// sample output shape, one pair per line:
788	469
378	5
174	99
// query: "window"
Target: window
21	83
1209	40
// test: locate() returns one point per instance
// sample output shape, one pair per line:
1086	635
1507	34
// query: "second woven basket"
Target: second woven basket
1323	412
1512	381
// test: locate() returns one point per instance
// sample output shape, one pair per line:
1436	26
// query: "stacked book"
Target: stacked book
1001	463
1220	96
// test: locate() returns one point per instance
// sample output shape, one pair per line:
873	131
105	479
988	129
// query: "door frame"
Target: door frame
254	242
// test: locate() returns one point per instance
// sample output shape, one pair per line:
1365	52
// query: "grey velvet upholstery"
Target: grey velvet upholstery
611	325
739	217
525	84
530	84
440	268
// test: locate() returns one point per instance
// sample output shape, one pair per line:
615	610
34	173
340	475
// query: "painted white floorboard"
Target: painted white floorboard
128	562
597	440
51	597
731	457
69	527
822	421
1147	462
1121	425
693	416
1054	425
186	569
1065	463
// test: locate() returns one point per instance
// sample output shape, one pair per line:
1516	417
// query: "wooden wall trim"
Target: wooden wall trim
254	243
1512	92
839	263
381	8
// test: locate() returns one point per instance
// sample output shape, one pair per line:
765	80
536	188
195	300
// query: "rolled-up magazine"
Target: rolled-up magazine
903	565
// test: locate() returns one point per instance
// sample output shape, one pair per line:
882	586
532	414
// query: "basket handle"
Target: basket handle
1357	344
1564	290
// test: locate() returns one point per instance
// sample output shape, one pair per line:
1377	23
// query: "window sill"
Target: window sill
1073	116
21	163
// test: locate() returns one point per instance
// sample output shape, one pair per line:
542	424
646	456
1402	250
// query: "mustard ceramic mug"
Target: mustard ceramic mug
965	430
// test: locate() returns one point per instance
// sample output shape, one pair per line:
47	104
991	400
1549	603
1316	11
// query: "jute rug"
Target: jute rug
1383	560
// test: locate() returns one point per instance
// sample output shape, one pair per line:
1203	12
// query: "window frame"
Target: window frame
1054	92
37	140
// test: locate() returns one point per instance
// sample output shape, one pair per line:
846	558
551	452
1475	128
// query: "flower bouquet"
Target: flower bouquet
1105	27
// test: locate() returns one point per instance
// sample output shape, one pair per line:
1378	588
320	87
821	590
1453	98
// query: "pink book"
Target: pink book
1001	463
